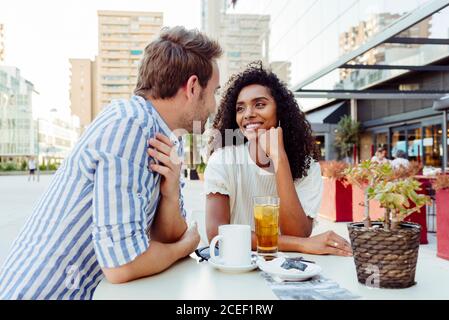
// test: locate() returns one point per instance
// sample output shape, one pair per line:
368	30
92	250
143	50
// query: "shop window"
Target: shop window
320	145
433	147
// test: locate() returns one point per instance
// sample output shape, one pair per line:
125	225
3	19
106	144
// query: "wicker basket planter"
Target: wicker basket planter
393	253
376	212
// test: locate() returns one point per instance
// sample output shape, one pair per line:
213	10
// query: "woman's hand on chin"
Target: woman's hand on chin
272	143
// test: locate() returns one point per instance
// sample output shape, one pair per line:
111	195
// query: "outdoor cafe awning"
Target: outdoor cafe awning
417	54
330	114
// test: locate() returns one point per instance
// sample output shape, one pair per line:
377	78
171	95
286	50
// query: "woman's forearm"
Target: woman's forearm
292	219
285	243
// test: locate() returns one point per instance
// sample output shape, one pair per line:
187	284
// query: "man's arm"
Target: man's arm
122	248
168	224
157	258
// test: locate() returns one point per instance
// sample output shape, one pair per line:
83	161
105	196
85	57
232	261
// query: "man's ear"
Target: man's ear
192	87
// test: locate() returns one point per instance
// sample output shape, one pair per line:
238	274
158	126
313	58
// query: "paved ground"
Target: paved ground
18	196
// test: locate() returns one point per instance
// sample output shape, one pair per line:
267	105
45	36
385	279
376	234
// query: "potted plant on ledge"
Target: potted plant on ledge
200	170
441	186
388	251
362	177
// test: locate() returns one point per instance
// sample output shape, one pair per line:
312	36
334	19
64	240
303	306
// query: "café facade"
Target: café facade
391	83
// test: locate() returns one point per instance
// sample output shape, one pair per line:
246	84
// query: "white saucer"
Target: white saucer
232	269
273	268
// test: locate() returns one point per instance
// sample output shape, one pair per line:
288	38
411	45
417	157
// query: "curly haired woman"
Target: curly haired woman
264	146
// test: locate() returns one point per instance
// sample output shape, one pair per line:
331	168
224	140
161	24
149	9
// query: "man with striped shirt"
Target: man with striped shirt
114	209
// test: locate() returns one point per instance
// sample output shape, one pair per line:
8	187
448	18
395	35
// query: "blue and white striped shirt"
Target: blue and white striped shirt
96	212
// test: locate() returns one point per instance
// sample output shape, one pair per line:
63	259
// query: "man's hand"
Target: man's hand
326	243
191	238
169	165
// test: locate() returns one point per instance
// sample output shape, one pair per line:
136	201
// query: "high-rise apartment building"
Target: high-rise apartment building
211	14
366	29
283	70
81	90
245	38
122	38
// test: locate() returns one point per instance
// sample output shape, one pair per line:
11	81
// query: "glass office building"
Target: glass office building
383	62
17	130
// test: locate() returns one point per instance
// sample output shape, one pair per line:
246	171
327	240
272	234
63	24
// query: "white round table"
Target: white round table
191	280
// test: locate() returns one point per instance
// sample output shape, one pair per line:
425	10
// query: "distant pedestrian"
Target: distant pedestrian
400	160
32	168
380	156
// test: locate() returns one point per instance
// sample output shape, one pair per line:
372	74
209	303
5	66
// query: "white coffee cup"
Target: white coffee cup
235	245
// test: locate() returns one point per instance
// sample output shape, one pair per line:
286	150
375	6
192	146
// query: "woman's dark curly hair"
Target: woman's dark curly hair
297	132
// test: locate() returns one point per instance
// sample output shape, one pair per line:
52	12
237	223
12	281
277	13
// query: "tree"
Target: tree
346	136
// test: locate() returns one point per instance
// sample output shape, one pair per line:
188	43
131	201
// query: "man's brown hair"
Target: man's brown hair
172	58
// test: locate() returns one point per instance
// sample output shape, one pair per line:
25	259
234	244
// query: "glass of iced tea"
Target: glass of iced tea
266	219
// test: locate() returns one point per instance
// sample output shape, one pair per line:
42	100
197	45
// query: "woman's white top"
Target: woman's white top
231	171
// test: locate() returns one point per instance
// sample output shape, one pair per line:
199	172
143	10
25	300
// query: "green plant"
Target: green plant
188	139
346	136
23	165
42	167
367	175
52	167
201	167
10	166
399	198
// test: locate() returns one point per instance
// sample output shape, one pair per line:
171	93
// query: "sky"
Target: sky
41	36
